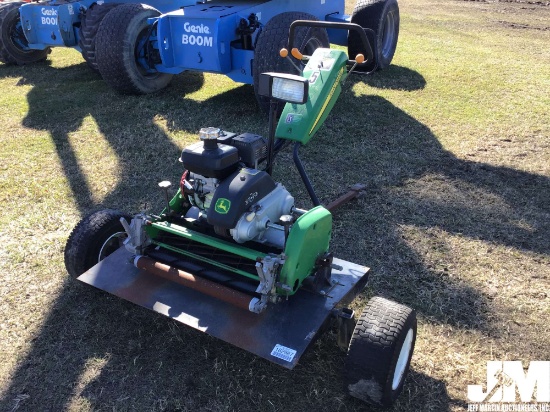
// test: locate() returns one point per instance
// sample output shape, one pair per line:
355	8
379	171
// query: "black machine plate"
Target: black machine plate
280	334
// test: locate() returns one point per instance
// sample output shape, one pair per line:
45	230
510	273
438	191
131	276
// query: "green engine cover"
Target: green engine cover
326	70
308	239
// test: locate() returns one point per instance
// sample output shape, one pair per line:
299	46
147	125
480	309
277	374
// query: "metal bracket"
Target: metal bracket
267	272
324	269
137	239
345	322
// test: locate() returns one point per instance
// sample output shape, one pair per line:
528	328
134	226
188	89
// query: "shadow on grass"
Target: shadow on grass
414	185
109	354
394	78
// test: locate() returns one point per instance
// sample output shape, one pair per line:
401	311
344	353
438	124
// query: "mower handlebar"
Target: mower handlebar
335	25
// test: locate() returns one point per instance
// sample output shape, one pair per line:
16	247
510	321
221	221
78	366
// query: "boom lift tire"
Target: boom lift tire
382	16
380	352
89	26
120	42
273	37
94	238
13	43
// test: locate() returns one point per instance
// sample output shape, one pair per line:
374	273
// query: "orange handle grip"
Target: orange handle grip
296	53
283	53
359	58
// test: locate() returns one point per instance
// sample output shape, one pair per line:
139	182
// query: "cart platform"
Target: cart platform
280	334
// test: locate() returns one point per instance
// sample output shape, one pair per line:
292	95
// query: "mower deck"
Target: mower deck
281	334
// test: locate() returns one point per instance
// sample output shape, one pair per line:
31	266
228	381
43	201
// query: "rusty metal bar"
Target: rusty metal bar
355	191
223	293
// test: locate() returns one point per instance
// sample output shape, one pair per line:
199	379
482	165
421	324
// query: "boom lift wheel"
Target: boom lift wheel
89	26
93	239
273	38
380	352
123	56
14	47
381	16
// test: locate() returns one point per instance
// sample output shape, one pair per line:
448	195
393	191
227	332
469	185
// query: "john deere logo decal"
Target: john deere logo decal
222	206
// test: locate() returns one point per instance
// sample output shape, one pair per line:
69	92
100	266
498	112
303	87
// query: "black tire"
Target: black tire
118	45
14	47
89	25
382	16
273	37
94	238
380	352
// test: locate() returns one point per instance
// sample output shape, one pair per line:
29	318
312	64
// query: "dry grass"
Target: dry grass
453	142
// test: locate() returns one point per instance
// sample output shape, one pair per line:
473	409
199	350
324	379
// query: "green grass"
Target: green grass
453	141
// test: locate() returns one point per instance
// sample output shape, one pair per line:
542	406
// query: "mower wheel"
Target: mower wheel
381	16
380	352
89	25
123	55
93	239
14	47
273	37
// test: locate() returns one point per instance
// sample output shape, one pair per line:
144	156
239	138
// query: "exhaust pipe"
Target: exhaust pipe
213	289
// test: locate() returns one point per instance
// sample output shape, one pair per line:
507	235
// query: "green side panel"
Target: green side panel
176	203
326	70
154	229
308	239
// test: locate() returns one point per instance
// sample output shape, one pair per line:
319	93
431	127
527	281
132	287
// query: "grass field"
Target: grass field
453	141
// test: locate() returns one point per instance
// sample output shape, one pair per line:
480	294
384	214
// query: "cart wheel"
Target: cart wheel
93	239
380	352
14	47
382	16
122	53
89	26
273	37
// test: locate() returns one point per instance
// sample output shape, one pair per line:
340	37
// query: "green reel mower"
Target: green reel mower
232	254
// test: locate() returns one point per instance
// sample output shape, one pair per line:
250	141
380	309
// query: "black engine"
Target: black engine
219	153
228	191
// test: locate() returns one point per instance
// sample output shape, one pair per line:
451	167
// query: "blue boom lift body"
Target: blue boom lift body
138	47
55	23
203	37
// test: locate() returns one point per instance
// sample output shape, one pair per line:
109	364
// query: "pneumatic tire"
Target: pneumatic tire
381	16
89	25
380	352
273	37
120	42
93	239
14	47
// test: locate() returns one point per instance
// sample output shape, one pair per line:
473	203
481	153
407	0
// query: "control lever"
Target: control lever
358	60
284	54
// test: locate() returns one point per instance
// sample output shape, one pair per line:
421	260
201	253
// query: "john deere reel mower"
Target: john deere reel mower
233	255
